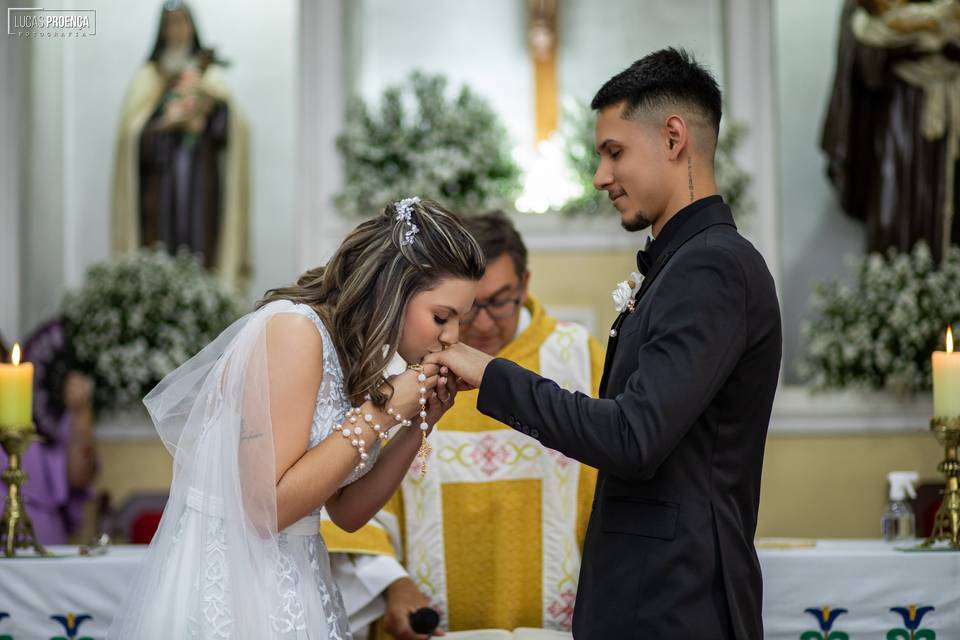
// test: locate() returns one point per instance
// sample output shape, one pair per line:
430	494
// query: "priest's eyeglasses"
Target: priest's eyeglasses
498	309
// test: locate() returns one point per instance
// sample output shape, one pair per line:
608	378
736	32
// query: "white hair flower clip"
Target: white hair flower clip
404	212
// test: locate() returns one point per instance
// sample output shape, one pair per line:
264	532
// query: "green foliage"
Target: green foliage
577	138
879	332
422	142
136	319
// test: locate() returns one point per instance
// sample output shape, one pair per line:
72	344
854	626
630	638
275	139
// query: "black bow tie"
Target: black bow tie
644	259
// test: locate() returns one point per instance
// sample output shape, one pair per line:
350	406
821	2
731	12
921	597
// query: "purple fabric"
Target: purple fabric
55	509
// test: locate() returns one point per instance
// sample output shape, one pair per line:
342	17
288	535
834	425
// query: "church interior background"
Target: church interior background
294	68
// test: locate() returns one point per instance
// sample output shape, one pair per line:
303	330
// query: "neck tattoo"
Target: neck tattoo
690	176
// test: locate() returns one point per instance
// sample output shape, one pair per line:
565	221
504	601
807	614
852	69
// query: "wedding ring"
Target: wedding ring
416	367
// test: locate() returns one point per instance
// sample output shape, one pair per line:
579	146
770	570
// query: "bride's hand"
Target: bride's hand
441	399
466	363
406	390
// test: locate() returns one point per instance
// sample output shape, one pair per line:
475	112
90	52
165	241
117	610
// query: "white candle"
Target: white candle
946	381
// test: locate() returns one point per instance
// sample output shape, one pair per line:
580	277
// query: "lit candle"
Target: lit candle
16	392
946	381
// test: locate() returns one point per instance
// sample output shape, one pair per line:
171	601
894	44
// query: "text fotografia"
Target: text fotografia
33	22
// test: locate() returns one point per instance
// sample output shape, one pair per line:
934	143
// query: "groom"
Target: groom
688	383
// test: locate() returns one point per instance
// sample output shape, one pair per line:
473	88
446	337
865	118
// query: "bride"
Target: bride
284	413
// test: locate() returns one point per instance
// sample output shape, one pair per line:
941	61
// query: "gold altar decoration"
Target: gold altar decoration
17	529
946	524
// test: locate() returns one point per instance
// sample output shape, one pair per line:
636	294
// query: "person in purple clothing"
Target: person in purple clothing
61	464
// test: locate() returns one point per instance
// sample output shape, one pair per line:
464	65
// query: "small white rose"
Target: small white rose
621	296
624	293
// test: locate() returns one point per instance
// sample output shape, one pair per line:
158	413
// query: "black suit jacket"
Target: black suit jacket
678	437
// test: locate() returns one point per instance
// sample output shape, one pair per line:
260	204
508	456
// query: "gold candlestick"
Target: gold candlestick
946	524
17	530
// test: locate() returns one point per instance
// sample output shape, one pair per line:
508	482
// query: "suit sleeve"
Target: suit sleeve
588	475
696	335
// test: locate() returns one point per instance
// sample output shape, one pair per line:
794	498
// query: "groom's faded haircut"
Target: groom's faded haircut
664	80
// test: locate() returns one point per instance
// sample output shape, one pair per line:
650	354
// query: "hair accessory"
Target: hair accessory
404	212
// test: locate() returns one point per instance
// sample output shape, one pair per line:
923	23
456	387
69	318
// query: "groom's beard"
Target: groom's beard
636	222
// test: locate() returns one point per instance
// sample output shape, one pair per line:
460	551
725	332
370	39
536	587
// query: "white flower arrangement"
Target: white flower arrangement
623	294
136	319
451	149
879	332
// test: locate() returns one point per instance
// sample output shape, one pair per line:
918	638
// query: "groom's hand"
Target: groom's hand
466	363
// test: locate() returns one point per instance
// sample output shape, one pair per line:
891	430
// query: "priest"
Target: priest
490	535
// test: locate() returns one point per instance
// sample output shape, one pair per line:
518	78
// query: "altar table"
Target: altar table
863	588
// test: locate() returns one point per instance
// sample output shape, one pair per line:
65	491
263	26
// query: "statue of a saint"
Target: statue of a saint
181	166
892	132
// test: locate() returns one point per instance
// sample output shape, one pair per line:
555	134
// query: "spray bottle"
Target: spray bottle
899	522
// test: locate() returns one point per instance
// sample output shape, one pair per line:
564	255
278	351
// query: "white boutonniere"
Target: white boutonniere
623	295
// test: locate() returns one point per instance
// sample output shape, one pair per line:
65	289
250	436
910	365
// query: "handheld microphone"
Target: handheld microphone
424	620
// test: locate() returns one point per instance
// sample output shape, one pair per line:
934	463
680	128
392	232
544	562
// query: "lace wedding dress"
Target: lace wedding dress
217	567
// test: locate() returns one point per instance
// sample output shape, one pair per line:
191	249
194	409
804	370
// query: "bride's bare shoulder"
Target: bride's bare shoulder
294	337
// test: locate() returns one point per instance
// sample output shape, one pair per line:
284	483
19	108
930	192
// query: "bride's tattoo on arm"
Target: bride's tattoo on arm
246	434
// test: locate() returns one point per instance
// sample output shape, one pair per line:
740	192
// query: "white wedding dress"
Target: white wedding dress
217	567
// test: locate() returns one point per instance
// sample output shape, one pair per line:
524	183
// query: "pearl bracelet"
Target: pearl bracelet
353	432
351	429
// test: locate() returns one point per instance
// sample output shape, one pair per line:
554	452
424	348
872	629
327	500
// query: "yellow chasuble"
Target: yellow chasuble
493	533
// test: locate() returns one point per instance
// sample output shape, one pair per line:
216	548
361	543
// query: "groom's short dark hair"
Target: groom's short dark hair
666	78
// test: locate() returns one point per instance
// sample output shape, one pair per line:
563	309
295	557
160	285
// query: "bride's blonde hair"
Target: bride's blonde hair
363	291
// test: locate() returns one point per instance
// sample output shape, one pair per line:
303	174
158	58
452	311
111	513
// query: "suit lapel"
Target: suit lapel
652	274
611	348
710	216
701	221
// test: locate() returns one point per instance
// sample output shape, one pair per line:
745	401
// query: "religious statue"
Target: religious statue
181	166
892	131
